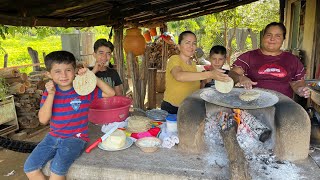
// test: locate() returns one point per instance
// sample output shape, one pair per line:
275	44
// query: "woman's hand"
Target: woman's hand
50	87
303	92
219	75
246	82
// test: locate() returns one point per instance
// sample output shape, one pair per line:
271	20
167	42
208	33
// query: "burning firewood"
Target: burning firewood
238	165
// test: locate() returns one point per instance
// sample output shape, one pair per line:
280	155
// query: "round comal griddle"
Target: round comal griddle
232	100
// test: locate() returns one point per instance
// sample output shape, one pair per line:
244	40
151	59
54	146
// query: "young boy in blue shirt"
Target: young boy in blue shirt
67	113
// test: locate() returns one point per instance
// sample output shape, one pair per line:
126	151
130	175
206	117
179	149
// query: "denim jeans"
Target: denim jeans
62	151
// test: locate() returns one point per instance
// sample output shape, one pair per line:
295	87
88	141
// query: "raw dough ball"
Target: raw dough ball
249	95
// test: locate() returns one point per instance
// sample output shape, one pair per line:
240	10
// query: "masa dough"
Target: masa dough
249	95
116	140
224	87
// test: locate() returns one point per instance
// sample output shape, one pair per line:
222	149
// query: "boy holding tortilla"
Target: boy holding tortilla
218	55
67	112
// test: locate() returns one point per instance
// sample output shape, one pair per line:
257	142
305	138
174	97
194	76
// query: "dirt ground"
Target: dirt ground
14	161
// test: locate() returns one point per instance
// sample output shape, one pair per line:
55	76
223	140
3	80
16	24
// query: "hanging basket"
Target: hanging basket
134	42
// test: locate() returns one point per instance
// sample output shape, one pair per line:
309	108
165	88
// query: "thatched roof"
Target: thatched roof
85	13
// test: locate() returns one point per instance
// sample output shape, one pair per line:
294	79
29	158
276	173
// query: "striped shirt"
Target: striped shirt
70	113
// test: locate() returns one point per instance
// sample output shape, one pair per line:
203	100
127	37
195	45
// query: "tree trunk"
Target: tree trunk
5	62
35	59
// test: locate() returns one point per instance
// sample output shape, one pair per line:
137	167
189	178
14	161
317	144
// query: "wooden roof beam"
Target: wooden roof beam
194	13
32	22
183	10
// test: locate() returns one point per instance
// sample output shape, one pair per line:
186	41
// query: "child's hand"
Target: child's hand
82	71
50	87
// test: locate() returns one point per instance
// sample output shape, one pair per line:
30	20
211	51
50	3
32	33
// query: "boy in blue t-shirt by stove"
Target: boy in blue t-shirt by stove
67	113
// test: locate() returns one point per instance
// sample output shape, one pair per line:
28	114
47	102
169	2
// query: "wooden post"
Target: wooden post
152	101
144	74
35	59
164	50
118	56
5	62
133	64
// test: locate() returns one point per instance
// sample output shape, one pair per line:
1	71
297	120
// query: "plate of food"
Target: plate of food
127	144
116	141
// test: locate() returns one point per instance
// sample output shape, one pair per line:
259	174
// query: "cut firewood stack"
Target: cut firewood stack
155	57
27	91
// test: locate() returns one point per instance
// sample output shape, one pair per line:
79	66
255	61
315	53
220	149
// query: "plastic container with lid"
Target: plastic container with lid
171	121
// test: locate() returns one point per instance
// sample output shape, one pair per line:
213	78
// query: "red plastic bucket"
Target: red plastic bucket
108	110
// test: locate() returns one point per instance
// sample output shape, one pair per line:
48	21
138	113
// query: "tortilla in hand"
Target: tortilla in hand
224	87
85	84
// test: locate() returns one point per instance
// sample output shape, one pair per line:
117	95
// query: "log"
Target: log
17	88
28	122
27	84
9	73
30	90
35	59
22	66
23	77
238	165
39	91
41	85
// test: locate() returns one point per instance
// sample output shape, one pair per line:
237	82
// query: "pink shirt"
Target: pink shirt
271	72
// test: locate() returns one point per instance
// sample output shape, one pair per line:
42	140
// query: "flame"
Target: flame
237	116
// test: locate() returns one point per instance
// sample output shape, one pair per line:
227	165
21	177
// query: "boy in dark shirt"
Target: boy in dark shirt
102	53
218	55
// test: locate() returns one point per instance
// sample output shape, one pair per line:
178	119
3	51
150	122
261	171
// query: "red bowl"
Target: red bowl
108	110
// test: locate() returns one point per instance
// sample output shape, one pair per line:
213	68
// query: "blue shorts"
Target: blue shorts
62	151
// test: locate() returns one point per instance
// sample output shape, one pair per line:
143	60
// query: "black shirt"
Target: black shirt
110	76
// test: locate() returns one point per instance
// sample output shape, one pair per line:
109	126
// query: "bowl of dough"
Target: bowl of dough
148	144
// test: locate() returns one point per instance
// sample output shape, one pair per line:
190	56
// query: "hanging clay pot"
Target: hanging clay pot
153	31
134	42
147	36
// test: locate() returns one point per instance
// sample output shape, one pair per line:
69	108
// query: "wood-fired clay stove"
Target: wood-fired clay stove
289	122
